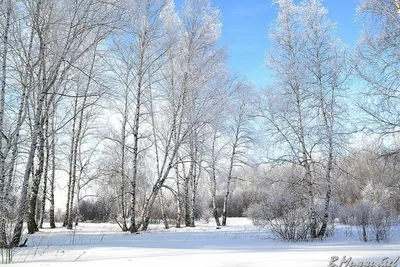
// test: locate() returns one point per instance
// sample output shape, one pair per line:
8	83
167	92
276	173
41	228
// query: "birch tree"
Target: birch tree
303	110
242	101
291	123
59	48
138	53
6	15
376	61
84	100
325	60
202	63
191	63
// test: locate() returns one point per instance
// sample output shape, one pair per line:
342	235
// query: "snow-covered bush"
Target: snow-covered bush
283	212
373	214
256	214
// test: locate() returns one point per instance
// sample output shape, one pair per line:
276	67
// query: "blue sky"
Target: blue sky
245	32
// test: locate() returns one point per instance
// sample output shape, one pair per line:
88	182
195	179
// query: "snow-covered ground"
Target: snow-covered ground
239	244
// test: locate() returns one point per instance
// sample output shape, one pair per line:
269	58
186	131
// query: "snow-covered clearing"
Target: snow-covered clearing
239	244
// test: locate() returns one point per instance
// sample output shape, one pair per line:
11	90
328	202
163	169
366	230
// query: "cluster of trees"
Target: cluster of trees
131	103
310	123
123	100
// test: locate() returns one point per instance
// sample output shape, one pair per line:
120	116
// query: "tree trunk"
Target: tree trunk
170	151
325	219
27	78
123	209
196	160
230	173
163	214
45	175
71	188
187	197
28	168
133	228
71	204
193	205
31	218
3	189
148	207
71	162
306	162
38	133
78	195
225	207
123	151
214	181
364	233
327	114
178	198
53	168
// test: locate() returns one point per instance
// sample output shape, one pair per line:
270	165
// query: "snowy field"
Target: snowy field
239	244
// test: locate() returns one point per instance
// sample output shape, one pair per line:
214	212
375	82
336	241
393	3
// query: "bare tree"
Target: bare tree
59	49
138	51
325	60
191	63
304	109
242	102
291	123
376	61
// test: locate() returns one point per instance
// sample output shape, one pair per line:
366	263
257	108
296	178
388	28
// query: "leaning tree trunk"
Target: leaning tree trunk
28	168
148	205
170	152
163	213
27	83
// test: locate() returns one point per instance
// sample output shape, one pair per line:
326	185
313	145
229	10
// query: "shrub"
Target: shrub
373	215
283	212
